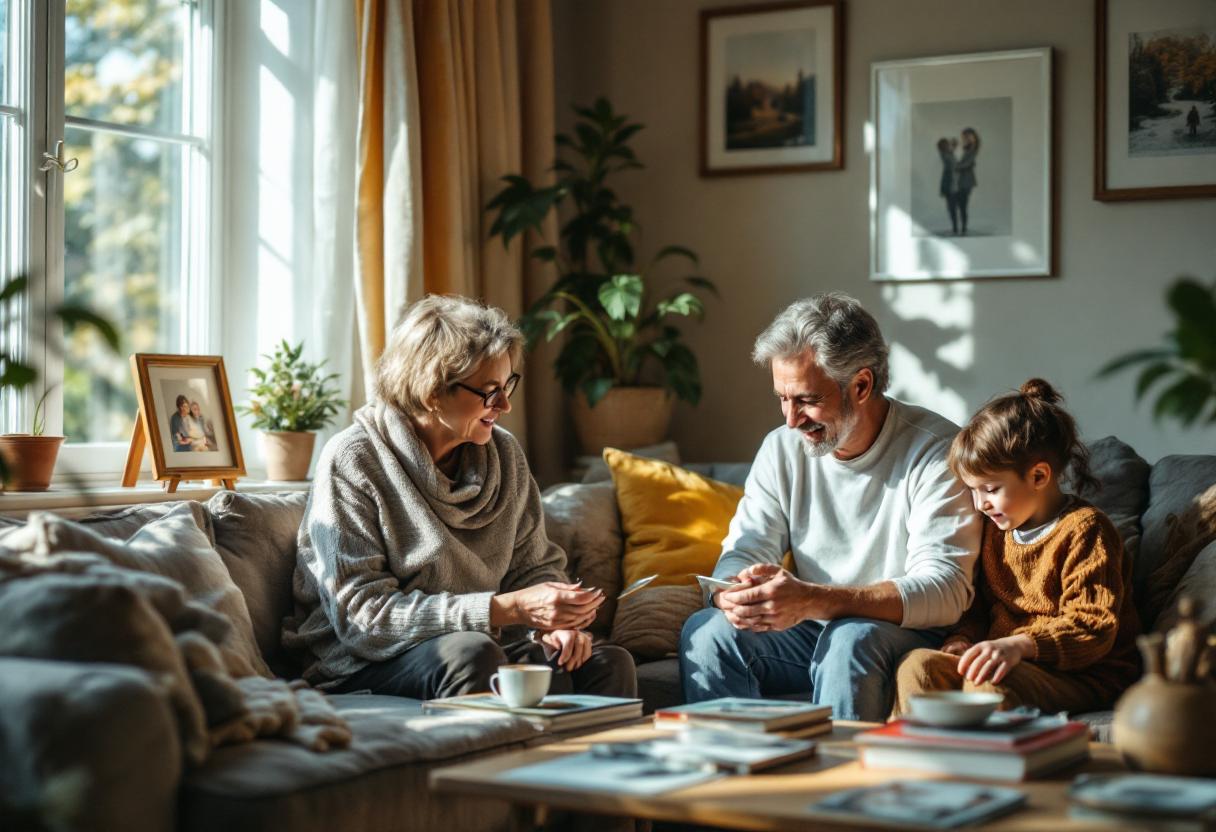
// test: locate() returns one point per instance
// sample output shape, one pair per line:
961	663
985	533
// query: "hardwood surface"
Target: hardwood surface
772	801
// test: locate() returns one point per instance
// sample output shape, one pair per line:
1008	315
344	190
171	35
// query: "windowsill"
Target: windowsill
76	501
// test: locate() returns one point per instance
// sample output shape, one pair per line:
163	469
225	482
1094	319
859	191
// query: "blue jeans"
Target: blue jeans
848	664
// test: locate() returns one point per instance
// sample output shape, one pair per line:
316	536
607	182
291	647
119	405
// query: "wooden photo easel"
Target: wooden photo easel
148	368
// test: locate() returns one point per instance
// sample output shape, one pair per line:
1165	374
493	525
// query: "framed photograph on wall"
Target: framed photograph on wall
1155	99
772	88
961	167
185	413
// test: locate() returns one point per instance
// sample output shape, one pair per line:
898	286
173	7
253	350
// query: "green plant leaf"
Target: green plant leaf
703	283
1184	400
1132	358
13	288
596	388
17	375
621	296
547	254
683	375
682	304
1149	376
675	251
1194	303
576	360
75	315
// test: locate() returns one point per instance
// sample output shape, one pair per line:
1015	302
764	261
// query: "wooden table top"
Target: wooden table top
771	801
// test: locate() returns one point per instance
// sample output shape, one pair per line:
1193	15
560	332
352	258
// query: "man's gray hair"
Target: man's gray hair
837	329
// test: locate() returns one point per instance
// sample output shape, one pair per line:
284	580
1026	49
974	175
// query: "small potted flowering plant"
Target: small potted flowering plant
289	401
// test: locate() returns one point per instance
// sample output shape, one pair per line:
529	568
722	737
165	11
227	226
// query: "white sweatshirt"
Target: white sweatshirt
896	513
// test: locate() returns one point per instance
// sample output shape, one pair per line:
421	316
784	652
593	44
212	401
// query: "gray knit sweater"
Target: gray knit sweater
393	553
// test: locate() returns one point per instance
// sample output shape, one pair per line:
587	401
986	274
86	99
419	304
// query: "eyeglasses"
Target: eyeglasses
492	397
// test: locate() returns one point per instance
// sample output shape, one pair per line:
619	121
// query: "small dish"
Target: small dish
954	708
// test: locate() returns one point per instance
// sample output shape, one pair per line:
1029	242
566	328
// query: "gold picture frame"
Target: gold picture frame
185	414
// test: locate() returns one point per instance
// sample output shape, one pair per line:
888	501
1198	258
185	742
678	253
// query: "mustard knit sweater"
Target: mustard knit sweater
1070	592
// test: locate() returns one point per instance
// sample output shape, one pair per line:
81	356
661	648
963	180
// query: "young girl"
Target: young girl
1052	625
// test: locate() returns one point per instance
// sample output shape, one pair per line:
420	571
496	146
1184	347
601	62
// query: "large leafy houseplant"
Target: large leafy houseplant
292	394
1184	369
617	318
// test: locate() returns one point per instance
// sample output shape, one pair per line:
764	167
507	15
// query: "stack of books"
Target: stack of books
695	748
1144	801
999	749
791	720
554	713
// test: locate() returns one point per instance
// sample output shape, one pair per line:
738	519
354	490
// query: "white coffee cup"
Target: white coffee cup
522	685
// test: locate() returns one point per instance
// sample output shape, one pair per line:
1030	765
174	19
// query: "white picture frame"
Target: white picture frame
962	180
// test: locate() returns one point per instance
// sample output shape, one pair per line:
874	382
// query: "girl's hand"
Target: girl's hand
548	606
992	660
956	645
573	647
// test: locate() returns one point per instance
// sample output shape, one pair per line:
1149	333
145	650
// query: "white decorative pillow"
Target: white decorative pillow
173	546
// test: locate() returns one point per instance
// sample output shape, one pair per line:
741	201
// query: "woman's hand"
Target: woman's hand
992	660
547	606
573	647
956	645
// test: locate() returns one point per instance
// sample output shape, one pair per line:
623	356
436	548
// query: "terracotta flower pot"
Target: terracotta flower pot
288	454
30	460
626	417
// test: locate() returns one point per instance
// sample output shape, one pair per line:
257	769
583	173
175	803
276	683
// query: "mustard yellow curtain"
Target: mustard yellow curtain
455	94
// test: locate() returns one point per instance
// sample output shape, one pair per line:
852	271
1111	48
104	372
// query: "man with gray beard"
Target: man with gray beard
883	535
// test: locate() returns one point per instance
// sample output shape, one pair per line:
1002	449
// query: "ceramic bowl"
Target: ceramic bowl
954	709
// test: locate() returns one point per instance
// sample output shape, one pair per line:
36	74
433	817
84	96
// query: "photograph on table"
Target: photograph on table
771	88
186	415
961	172
1155	134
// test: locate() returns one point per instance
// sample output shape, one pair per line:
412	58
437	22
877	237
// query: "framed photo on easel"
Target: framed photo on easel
185	421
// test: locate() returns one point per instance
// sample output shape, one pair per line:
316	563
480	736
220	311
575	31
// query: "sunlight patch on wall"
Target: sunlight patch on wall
932	347
275	211
276	27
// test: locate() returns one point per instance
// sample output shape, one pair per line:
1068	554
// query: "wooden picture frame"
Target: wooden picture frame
963	178
774	41
206	432
1137	153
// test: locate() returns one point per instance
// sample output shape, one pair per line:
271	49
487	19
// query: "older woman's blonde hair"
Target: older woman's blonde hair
441	340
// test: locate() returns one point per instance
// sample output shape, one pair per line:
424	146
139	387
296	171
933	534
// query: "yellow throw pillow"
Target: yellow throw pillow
674	520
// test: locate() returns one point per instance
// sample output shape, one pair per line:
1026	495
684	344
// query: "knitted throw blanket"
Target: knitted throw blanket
392	553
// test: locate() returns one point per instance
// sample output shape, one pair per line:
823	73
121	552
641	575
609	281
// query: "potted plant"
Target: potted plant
289	401
1187	360
617	319
27	460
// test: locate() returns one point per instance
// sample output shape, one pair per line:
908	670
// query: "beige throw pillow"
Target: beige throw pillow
648	622
173	546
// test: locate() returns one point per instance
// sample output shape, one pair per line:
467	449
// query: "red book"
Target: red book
894	734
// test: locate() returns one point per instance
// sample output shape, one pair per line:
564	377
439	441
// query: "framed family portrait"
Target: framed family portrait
185	414
772	88
961	168
1155	99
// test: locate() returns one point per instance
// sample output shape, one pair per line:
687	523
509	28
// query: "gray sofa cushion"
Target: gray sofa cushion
99	740
124	522
733	473
255	535
1199	583
585	521
659	684
1124	495
1174	484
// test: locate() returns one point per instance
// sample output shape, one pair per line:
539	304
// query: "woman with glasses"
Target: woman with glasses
423	563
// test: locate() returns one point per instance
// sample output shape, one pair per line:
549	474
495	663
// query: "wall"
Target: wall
768	240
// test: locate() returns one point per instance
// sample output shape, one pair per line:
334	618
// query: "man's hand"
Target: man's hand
769	598
992	660
956	645
573	647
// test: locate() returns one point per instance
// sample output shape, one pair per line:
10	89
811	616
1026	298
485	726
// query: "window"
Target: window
127	230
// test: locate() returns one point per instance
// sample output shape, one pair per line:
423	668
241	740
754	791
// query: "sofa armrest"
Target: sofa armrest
86	747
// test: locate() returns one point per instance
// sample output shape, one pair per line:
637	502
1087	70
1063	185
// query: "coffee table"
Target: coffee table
772	801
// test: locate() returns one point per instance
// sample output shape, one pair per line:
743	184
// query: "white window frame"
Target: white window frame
43	31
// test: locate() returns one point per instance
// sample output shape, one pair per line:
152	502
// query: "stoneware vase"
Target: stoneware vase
1163	723
30	460
288	454
626	417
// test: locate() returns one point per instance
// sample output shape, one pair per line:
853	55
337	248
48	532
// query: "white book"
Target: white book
985	765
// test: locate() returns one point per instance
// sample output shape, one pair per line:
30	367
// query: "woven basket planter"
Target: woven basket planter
626	417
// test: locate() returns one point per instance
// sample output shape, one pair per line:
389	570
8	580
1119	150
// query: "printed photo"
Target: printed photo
191	423
770	98
962	168
1172	92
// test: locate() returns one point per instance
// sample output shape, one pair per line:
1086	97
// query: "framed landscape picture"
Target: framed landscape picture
772	87
1155	120
961	168
185	411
